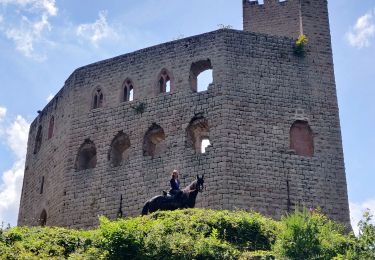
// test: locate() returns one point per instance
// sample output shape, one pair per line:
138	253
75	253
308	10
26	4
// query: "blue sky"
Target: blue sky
43	41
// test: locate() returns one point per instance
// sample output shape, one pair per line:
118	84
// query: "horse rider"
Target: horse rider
175	185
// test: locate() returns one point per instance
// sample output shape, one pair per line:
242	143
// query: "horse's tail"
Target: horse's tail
145	208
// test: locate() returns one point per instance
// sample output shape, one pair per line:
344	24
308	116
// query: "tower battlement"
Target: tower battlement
289	18
266	2
273	17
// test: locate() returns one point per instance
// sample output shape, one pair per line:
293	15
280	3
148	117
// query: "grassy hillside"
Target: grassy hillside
194	234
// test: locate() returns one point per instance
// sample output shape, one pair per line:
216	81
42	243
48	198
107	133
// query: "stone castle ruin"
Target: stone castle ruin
109	139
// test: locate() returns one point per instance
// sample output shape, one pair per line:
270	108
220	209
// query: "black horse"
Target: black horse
180	201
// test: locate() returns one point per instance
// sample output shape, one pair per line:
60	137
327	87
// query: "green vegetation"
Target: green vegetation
363	246
195	234
300	46
223	26
139	108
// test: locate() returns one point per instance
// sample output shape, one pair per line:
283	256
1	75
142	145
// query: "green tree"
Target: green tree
362	246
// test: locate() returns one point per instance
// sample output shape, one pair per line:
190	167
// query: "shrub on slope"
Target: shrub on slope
186	234
194	234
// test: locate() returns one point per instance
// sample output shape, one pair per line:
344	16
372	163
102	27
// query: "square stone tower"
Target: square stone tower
314	98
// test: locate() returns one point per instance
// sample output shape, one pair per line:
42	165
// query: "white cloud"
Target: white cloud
50	97
26	32
3	112
47	6
357	210
26	36
97	31
50	7
10	192
363	31
15	136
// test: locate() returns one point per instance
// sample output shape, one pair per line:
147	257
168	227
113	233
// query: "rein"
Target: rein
194	187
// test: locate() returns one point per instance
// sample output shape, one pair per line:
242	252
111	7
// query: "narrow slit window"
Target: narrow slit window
128	91
95	101
38	140
51	127
168	86
165	82
98	99
101	97
42	185
131	94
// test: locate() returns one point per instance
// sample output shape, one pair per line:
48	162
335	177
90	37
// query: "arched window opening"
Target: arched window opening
204	144
98	99
38	140
43	218
201	75
118	150
86	158
128	91
131	94
154	141
302	139
165	82
168	85
197	134
51	127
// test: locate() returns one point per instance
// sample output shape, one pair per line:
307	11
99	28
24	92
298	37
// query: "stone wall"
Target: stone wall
269	93
260	90
47	167
98	191
273	17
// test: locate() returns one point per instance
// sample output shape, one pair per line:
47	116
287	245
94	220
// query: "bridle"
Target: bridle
200	185
197	185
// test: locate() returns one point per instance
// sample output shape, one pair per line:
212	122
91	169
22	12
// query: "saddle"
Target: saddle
172	194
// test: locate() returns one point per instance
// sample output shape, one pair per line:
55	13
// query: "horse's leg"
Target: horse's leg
183	200
146	208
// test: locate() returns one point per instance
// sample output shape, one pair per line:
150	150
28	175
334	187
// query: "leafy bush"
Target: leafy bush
300	46
45	243
187	234
257	255
310	235
362	246
194	234
243	230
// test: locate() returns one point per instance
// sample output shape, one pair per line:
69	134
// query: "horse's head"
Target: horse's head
200	182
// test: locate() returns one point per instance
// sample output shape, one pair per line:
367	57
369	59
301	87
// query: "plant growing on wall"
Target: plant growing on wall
223	26
140	108
300	46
